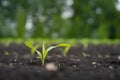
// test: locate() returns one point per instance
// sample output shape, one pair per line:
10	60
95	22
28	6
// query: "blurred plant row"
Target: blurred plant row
60	18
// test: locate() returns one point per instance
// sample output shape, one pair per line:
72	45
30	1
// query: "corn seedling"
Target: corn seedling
43	54
67	47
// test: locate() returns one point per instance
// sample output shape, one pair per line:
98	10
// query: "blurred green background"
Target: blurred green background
96	19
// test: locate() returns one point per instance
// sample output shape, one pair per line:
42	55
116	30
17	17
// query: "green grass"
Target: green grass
7	41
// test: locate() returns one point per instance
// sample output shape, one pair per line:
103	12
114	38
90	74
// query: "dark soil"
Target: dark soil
101	63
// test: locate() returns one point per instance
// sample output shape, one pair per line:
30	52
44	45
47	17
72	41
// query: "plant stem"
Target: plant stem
42	62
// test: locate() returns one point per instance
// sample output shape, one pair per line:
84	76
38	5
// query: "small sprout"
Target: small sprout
85	55
51	67
43	54
6	53
67	47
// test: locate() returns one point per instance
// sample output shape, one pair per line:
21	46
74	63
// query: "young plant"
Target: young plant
67	47
43	54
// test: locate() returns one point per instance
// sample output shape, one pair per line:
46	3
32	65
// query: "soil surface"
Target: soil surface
95	62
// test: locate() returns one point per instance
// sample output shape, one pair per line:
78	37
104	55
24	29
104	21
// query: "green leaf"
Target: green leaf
39	54
63	45
33	51
67	47
66	50
43	50
28	44
50	48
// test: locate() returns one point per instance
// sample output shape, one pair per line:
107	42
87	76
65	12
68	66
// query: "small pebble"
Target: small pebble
74	66
93	63
51	67
110	67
